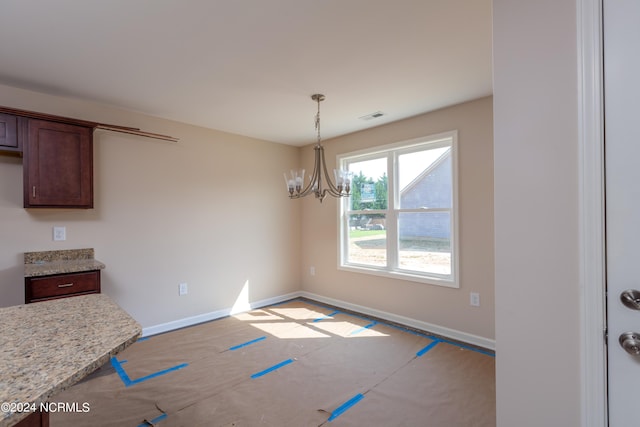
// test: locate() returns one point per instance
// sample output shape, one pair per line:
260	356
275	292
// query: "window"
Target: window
401	217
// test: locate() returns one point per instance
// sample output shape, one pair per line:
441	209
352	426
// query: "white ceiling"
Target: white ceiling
250	66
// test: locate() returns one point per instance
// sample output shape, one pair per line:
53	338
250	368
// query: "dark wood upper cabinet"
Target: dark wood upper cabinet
58	164
9	133
57	155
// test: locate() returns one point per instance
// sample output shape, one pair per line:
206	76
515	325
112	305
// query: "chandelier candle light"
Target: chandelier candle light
295	180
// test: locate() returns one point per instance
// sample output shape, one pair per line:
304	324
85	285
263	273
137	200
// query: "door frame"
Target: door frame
593	363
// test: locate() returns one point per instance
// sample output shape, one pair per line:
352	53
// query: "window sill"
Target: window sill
400	275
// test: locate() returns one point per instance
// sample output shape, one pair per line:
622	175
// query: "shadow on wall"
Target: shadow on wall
10	279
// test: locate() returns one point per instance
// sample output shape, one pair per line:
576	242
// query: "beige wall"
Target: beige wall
445	307
538	291
210	210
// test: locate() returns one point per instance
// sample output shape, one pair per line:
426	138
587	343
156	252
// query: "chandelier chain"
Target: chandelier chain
318	121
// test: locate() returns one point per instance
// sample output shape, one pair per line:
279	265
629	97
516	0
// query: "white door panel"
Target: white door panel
622	165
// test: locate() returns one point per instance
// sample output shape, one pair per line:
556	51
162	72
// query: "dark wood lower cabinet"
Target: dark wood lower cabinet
36	419
53	287
44	288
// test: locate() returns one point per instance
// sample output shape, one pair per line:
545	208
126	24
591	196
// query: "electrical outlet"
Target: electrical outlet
59	233
182	289
474	299
312	270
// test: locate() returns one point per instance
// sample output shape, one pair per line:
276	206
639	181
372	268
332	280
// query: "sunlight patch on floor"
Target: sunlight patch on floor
347	329
289	330
299	313
256	315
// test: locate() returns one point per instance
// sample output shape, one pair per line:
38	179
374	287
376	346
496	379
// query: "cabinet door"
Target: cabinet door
35	419
8	132
58	165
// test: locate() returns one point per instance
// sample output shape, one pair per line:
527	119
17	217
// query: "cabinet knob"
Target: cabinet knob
33	191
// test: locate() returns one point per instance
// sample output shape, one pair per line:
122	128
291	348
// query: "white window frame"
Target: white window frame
392	270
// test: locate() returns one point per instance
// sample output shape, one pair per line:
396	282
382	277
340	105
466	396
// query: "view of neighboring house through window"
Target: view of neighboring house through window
401	218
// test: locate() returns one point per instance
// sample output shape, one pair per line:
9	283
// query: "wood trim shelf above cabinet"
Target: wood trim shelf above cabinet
86	123
58	155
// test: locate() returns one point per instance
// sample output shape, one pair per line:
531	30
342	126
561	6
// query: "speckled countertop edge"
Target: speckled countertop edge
58	255
49	346
61	267
47	263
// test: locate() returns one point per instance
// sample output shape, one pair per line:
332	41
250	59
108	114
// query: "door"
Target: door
622	165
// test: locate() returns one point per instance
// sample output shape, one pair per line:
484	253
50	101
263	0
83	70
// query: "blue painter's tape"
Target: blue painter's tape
159	373
235	347
346	406
468	347
364	328
142	339
271	369
120	371
326	316
128	382
153	421
429	347
411	331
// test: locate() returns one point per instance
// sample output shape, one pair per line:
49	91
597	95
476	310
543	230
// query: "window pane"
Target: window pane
425	179
425	242
367	240
369	184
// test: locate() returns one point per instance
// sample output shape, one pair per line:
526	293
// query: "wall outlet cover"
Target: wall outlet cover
474	299
183	289
59	233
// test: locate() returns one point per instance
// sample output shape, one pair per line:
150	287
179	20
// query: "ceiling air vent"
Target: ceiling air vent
372	116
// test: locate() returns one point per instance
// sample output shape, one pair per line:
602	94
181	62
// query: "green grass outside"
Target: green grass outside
363	233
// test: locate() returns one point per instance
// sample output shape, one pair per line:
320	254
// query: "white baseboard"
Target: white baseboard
407	321
213	315
402	320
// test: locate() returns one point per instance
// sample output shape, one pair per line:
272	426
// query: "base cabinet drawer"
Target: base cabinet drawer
61	286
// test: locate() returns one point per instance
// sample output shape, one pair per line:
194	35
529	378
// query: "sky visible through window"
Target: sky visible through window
411	165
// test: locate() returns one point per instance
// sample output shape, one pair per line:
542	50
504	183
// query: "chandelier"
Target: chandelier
295	179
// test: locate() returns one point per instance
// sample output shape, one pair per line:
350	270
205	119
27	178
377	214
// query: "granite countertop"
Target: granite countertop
48	346
60	262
